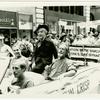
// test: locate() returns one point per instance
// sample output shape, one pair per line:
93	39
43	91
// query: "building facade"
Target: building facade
64	18
16	22
8	25
59	18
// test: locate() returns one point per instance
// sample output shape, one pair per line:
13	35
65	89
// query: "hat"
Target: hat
62	36
1	36
41	26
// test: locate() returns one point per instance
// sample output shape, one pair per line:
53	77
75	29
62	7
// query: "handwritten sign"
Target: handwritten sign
85	52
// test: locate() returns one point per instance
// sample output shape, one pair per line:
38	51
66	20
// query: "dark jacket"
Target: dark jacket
44	54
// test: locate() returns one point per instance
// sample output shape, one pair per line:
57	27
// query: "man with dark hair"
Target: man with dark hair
44	51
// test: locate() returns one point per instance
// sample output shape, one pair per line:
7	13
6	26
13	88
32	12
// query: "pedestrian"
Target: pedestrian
5	50
54	39
45	50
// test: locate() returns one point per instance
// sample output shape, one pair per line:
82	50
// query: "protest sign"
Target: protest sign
85	52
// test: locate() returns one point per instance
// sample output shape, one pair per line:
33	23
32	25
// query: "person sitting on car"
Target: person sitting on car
63	66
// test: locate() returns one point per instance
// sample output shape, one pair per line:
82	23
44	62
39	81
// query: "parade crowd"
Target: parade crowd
44	58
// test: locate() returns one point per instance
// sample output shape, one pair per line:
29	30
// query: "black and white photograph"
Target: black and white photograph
49	49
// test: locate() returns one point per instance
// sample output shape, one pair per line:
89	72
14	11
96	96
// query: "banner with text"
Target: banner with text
84	52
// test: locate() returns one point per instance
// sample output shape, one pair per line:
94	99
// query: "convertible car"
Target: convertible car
85	81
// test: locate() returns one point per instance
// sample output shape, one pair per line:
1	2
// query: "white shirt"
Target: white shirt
5	50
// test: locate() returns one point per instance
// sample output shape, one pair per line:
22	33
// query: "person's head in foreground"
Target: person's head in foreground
18	69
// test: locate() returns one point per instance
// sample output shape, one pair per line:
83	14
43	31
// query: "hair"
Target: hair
67	55
21	63
23	66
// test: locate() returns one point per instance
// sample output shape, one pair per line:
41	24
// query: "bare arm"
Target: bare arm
67	74
29	84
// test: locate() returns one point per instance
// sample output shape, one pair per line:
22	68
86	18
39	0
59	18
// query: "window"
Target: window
50	8
67	9
64	9
61	9
79	10
72	9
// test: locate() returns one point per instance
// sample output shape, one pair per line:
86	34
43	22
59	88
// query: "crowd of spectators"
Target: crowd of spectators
92	38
